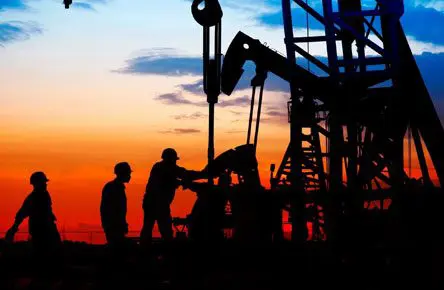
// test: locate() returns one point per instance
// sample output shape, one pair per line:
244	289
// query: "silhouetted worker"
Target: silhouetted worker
165	178
45	238
113	207
38	208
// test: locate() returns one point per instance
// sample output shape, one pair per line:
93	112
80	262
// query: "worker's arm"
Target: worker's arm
22	213
190	174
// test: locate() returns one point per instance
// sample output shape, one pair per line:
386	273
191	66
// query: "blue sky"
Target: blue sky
153	39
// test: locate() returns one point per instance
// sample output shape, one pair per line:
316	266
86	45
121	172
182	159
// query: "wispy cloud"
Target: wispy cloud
237	113
12	4
274	113
194	116
236	102
235	131
180	131
270	114
88	4
163	61
17	30
178	99
273	83
84	6
435	4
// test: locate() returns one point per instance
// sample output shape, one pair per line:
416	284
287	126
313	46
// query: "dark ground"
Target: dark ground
184	266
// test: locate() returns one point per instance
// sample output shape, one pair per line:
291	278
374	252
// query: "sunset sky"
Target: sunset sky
113	80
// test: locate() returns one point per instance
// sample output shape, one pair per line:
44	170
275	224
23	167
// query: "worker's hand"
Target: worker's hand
9	237
178	183
185	182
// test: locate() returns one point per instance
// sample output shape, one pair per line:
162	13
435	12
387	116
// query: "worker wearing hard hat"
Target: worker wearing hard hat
165	178
113	206
38	208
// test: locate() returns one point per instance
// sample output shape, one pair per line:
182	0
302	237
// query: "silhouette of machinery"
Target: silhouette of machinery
363	101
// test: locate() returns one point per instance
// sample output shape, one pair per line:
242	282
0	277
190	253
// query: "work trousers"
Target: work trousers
160	213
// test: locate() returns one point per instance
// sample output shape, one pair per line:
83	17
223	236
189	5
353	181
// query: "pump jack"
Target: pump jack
361	106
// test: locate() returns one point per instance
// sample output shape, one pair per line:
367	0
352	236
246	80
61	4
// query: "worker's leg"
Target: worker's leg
149	218
164	221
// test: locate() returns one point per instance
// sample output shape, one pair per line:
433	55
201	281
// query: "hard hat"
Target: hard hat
122	168
38	176
169	154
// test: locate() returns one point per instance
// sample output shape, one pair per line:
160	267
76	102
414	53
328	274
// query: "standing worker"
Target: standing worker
113	207
38	208
45	238
165	178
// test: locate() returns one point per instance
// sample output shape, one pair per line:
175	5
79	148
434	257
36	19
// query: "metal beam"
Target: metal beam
314	13
365	40
372	29
311	58
363	13
312	39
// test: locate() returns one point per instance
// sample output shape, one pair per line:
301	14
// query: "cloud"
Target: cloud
88	4
435	4
236	102
273	83
178	99
270	114
175	99
194	87
17	30
83	5
163	61
12	4
97	1
424	24
423	20
277	113
430	65
237	113
194	116
180	131
274	19
235	131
